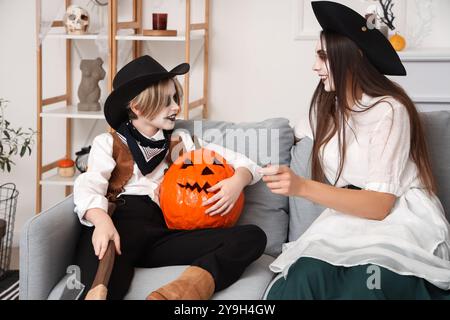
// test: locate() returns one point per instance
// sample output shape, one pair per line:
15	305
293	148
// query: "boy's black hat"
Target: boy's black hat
340	19
131	80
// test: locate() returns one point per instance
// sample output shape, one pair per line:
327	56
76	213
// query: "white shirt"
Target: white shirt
91	187
413	239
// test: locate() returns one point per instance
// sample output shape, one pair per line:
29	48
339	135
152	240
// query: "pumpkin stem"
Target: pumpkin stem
196	142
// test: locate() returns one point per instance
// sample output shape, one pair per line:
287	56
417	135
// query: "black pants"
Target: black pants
146	242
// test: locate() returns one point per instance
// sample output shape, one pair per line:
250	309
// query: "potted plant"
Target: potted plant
13	142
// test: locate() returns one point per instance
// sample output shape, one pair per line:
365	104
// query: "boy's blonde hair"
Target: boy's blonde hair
155	98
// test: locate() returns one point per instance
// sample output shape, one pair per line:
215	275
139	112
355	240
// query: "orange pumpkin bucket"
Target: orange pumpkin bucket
184	189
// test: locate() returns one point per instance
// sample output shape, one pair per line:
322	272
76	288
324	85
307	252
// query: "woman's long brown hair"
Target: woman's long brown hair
349	67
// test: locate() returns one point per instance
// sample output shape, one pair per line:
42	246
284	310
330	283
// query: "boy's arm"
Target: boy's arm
90	187
244	175
235	159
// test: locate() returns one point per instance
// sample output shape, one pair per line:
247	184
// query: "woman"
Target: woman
384	234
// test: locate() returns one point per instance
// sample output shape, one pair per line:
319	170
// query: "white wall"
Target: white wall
257	71
18	85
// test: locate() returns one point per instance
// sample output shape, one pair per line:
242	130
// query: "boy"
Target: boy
126	168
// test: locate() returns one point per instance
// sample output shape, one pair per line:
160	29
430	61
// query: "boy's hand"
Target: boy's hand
104	232
100	239
228	193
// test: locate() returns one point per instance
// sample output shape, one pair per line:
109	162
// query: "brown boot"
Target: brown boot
98	293
194	283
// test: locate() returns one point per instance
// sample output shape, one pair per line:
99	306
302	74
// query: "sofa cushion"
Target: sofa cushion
251	285
264	142
302	212
437	133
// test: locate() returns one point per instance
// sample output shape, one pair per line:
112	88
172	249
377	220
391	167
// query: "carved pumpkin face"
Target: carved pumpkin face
184	189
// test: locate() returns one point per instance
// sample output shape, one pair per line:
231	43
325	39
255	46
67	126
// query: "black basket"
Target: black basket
8	204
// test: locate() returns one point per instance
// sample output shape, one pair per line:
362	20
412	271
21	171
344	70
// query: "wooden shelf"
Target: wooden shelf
65	36
56	180
152	38
61	107
70	112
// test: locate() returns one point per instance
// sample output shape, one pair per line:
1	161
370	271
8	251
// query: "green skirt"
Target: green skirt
312	279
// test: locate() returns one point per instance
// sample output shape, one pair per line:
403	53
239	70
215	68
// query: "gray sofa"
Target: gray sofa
48	239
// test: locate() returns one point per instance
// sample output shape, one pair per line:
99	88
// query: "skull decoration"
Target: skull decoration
76	20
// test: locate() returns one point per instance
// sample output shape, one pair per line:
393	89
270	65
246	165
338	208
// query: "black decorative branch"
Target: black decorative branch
388	15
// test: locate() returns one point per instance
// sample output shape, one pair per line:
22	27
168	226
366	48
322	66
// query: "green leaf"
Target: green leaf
6	134
23	150
8	167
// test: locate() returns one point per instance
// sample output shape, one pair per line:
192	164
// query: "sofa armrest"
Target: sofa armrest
47	246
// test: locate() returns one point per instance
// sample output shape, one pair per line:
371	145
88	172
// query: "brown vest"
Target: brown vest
124	166
123	169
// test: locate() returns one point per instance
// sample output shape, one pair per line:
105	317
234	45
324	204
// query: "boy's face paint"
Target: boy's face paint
164	120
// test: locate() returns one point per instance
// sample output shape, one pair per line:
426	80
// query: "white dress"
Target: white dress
413	239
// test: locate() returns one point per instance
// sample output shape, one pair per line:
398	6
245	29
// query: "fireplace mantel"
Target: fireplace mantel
428	76
426	55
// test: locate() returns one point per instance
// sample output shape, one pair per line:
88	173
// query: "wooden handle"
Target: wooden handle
197	144
98	289
105	266
101	280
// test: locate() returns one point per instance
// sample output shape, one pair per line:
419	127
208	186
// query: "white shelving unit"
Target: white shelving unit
70	112
56	180
59	35
151	38
133	31
51	107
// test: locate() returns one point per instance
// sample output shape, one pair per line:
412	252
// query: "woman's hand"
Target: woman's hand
228	192
104	232
282	180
